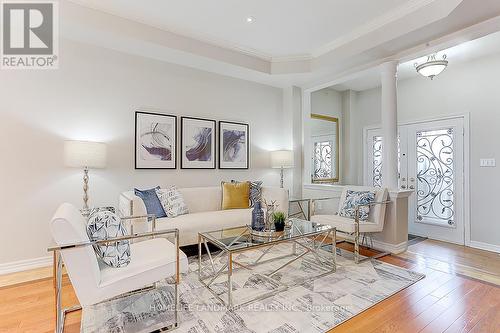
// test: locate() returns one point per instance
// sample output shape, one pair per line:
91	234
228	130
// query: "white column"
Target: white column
389	124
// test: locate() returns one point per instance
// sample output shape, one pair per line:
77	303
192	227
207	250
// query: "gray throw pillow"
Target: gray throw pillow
355	198
103	225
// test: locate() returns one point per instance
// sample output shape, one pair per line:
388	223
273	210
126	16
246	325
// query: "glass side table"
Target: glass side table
300	202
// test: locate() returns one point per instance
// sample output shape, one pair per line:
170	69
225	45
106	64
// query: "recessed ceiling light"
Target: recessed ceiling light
250	19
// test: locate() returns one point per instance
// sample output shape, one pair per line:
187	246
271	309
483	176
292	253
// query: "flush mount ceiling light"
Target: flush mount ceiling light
250	19
432	66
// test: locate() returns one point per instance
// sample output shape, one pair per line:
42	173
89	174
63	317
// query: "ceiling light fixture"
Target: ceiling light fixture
250	19
432	67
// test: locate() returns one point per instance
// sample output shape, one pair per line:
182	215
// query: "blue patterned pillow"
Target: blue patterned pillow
355	198
151	201
105	224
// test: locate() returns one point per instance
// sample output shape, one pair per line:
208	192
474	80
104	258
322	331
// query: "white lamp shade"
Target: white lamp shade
282	159
80	154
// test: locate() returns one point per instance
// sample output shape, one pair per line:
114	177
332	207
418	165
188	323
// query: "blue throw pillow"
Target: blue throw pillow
151	201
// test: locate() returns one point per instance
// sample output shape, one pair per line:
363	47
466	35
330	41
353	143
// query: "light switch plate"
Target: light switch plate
487	162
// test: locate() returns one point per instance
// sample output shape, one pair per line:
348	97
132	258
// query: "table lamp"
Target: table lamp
86	155
282	159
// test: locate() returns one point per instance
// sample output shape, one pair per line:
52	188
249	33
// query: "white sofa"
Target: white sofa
205	213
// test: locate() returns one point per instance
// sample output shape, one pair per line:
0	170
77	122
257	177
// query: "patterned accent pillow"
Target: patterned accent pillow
151	201
255	191
172	201
355	198
105	224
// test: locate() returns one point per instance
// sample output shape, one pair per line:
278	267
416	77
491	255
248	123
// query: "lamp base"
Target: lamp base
281	177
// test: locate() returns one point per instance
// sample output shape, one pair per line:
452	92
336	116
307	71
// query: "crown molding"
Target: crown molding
377	23
373	25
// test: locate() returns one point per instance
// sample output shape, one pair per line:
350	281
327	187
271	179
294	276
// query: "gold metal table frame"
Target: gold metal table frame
309	242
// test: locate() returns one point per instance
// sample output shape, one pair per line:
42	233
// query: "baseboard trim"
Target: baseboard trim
485	246
381	246
392	248
24	265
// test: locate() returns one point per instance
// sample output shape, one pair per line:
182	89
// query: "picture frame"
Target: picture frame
234	145
155	141
198	143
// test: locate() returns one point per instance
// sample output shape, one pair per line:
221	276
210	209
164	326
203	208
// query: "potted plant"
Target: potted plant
279	221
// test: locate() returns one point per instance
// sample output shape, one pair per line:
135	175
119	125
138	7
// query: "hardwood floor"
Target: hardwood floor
456	259
441	302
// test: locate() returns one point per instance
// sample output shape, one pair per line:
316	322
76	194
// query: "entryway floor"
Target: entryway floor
455	259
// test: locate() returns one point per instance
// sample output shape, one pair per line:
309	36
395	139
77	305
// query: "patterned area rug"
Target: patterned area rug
313	305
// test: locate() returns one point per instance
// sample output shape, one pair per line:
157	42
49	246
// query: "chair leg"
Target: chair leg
58	290
176	313
356	241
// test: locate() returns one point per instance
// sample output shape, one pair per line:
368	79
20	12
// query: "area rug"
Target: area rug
314	305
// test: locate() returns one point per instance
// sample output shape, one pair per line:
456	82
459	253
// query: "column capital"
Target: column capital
389	66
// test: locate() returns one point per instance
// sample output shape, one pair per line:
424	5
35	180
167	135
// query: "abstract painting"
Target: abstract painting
197	143
233	145
155	141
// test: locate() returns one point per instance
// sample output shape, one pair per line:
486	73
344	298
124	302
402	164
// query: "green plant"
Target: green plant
279	221
279	217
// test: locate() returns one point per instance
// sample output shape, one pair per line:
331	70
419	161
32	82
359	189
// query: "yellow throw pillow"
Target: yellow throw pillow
235	195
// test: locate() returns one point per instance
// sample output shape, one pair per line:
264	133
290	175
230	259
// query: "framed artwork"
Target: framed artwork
198	146
155	141
233	145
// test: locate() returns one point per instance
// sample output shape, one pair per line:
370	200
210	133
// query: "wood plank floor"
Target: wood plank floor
442	302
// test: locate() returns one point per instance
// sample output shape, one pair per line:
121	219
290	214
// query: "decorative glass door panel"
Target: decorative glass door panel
435	177
377	161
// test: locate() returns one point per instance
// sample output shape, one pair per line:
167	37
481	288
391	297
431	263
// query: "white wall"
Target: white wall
93	96
467	88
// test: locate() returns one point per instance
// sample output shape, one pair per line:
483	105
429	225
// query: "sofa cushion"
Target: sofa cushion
235	195
190	225
202	199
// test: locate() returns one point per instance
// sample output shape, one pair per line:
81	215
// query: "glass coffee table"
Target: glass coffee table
305	237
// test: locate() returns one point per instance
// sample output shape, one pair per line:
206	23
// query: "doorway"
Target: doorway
431	164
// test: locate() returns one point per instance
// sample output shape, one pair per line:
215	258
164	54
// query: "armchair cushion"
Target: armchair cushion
345	224
355	198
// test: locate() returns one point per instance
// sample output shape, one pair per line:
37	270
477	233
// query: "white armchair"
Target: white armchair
354	227
152	260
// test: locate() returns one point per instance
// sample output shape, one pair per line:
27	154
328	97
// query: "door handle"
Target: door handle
412	187
403	187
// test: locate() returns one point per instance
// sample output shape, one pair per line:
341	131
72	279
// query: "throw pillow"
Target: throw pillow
235	195
151	201
103	225
172	201
255	191
355	198
101	209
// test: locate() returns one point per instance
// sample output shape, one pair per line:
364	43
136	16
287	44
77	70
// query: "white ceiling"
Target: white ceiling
282	28
308	43
456	55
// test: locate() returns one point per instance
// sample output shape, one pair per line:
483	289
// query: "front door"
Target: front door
431	165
